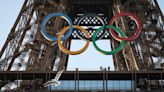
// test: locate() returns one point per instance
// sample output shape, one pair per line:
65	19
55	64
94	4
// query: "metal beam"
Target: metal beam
83	75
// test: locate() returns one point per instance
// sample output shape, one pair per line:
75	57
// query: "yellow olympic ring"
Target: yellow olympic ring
72	52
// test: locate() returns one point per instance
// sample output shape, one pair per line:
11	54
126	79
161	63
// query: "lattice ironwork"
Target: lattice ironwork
26	47
91	23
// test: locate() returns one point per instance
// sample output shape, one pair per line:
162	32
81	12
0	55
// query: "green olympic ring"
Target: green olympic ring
116	49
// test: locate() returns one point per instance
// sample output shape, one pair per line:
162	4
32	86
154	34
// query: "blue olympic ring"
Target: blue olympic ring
45	34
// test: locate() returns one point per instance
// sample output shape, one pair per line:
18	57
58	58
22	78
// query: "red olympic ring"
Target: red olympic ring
139	27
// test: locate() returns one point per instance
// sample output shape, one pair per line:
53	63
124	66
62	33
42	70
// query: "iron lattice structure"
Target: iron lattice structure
26	47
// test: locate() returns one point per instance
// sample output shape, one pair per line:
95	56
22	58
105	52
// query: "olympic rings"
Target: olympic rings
50	38
73	52
133	36
108	52
90	15
120	37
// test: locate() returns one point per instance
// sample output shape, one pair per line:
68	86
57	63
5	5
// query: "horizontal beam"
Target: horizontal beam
82	2
83	75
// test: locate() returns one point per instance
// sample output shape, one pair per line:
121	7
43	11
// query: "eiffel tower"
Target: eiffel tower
138	66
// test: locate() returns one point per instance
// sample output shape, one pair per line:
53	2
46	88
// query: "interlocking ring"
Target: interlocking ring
124	38
94	16
108	52
120	37
73	52
46	35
